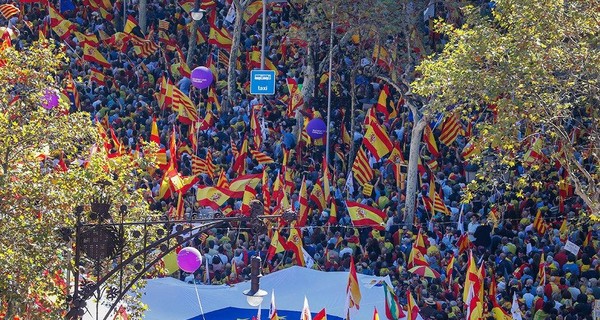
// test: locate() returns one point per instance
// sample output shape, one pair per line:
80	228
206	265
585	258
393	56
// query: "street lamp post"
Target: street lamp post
263	37
255	294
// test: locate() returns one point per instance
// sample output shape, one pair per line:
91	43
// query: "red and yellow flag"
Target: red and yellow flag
363	215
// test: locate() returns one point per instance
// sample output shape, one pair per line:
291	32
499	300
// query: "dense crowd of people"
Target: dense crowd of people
550	280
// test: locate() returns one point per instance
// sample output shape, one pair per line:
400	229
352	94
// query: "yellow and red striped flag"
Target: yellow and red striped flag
539	224
9	10
213	197
261	158
361	168
450	129
304	209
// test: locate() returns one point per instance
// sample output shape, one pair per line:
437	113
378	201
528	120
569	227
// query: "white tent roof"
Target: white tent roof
169	298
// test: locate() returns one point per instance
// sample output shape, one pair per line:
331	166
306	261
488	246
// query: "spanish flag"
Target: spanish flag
353	288
249	195
237	185
132	27
59	24
377	141
253	12
429	140
92	54
363	215
278	245
154	137
317	196
385	104
294	243
213	197
220	38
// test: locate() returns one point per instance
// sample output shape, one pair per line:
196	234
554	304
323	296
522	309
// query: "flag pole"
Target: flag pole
327	143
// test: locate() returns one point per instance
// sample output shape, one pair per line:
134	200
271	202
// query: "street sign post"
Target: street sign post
262	82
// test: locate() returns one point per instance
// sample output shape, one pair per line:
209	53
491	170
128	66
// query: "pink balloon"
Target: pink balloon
202	77
189	259
50	99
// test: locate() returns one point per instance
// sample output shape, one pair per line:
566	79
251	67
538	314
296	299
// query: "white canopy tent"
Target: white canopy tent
169	298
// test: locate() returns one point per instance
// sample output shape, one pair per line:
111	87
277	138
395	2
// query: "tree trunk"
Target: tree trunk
192	40
143	9
235	47
413	165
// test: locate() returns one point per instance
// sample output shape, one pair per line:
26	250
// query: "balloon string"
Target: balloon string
198	297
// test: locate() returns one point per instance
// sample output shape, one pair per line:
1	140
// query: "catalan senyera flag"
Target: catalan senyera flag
278	244
143	47
9	10
438	202
304	208
449	269
237	185
539	224
377	141
385	104
92	54
261	158
185	107
361	168
213	197
429	140
463	243
222	182
253	12
450	129
353	294
363	215
294	243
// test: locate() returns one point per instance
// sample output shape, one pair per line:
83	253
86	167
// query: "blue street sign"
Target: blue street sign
262	82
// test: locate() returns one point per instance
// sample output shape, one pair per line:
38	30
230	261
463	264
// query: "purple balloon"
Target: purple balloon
202	77
50	99
189	259
316	128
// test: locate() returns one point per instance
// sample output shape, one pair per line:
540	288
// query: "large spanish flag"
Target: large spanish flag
253	12
377	140
213	197
353	288
238	185
363	215
91	54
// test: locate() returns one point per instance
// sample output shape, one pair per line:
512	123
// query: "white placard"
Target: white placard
572	248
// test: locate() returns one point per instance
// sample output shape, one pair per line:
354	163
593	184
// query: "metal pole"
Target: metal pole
263	41
329	88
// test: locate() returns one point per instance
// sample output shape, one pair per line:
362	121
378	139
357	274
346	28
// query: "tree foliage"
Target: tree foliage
50	165
529	70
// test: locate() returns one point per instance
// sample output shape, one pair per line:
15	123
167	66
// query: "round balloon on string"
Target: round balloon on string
316	128
189	259
50	99
202	77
